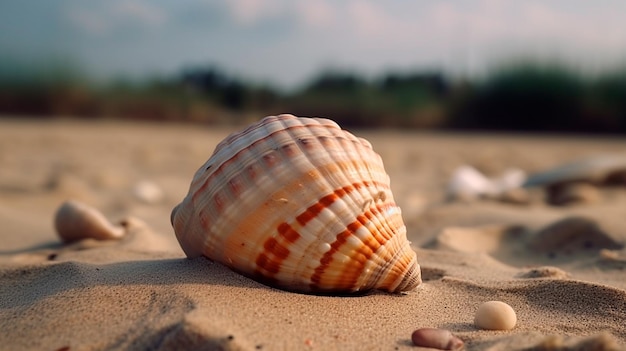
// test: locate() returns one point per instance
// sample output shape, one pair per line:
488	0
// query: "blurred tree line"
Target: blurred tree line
527	96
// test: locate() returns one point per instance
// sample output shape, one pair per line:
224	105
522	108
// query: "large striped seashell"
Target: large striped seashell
298	204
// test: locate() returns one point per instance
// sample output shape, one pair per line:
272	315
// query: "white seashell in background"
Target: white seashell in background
597	169
75	221
467	183
511	178
298	204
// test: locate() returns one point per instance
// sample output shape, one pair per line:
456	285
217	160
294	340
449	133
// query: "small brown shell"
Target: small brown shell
75	221
299	204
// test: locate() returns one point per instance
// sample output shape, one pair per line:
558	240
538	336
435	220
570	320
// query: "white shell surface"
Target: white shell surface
593	169
299	204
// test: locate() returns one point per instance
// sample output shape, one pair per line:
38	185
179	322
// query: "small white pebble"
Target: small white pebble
148	192
495	315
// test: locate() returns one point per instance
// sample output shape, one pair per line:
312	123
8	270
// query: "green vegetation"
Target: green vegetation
528	96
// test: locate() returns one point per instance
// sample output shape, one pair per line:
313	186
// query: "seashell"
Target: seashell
298	204
467	183
75	221
599	169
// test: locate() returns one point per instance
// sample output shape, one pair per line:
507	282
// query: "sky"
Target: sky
287	42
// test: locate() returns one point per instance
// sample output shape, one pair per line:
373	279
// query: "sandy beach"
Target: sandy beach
566	282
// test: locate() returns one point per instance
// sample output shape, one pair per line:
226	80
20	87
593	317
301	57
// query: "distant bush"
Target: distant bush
51	88
526	96
606	108
391	101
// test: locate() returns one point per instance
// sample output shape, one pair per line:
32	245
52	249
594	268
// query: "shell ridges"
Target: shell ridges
299	204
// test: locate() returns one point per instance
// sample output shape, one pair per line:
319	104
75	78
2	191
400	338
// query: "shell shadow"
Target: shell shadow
38	282
52	245
405	343
459	327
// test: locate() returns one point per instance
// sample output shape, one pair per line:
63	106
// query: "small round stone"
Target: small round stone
495	315
436	339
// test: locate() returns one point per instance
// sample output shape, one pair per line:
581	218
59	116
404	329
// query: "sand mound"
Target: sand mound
560	268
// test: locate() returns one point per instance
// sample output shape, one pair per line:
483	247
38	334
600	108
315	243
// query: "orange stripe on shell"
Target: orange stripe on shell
275	249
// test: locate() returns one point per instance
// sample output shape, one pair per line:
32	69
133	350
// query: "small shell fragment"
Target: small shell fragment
75	221
436	338
495	315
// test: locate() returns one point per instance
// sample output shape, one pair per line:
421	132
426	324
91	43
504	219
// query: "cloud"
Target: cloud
286	40
101	19
250	12
316	14
88	21
368	18
307	13
143	13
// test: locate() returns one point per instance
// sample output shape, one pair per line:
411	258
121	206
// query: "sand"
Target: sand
141	293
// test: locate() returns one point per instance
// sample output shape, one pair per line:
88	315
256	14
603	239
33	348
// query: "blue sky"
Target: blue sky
287	42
